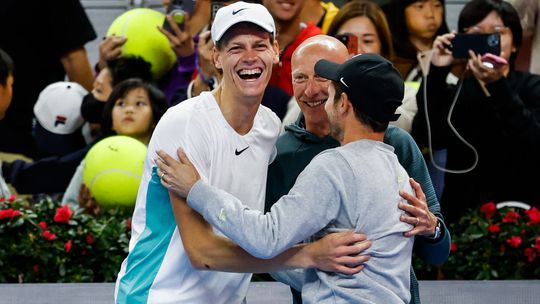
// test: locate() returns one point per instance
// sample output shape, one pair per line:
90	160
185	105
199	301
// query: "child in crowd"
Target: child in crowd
133	109
414	25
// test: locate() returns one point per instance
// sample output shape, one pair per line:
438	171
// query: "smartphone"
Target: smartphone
178	9
478	43
350	41
214	7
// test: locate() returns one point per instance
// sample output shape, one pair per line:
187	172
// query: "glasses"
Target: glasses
502	30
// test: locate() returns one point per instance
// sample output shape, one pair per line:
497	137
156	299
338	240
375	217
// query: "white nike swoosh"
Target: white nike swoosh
343	82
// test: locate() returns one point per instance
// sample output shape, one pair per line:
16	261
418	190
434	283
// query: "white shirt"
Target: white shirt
157	269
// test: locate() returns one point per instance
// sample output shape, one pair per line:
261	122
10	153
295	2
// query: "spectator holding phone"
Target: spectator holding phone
494	109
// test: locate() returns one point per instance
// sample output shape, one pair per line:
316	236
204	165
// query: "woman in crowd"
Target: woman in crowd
489	122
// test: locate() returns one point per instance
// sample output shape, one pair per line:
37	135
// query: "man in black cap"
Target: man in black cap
354	187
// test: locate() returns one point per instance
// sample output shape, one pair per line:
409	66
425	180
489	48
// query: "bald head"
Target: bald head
310	90
326	47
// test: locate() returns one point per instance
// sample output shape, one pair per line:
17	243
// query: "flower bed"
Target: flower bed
490	243
43	241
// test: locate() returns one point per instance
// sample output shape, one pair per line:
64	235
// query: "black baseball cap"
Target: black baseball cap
372	83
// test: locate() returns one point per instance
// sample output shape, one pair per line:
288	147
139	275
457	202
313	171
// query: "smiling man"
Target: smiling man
231	139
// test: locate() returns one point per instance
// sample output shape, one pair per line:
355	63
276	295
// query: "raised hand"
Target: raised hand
442	56
180	39
110	48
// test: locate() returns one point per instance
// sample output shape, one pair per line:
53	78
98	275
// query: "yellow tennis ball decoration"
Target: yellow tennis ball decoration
112	170
139	26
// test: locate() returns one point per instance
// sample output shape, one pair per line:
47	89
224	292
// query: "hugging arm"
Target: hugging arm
209	251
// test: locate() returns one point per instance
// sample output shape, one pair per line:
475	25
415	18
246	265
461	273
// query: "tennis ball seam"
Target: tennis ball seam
125	25
128	173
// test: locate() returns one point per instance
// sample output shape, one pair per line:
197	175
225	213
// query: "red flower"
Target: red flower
89	239
529	253
493	228
488	209
49	235
534	216
63	214
36	268
68	245
9	213
12	198
453	247
510	217
537	244
43	225
514	241
128	223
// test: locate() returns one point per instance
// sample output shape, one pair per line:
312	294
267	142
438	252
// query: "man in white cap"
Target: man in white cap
230	139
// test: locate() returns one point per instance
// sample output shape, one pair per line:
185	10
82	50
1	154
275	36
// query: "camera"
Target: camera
478	43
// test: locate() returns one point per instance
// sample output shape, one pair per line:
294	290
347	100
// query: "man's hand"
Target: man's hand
180	40
420	217
340	252
177	176
110	48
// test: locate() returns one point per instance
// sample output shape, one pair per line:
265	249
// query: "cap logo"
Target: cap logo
343	82
60	120
238	10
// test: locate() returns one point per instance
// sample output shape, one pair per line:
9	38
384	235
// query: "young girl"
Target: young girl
133	109
414	25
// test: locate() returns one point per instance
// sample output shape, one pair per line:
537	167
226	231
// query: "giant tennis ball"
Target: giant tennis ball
113	169
139	26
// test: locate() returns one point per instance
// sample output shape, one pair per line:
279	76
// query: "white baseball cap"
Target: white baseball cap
240	11
58	108
58	120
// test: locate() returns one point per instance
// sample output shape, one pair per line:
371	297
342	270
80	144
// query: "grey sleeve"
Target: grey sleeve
71	196
311	204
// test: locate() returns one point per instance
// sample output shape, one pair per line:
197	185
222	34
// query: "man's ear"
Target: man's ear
217	59
275	47
345	104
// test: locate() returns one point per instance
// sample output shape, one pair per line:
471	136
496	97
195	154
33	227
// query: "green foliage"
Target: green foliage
43	241
490	243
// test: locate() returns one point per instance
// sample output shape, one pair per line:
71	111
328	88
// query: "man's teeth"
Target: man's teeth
315	103
250	72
